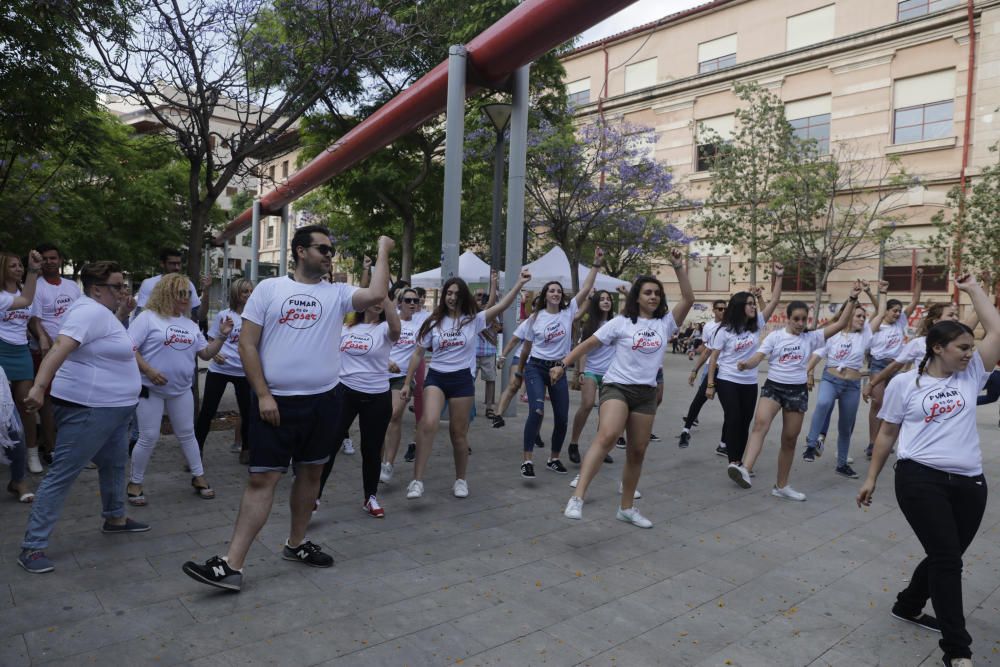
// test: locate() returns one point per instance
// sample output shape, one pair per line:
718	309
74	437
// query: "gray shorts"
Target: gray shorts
639	398
487	368
396	383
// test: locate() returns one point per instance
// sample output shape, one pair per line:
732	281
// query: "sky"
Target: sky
636	14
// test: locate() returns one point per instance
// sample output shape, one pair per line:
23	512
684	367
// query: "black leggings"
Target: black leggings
738	404
373	412
697	402
215	386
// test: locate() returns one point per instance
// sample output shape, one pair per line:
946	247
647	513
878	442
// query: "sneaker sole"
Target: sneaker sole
298	560
36	571
132	530
735	475
217	584
558	472
718	453
844	474
794	500
912	622
527	476
632	523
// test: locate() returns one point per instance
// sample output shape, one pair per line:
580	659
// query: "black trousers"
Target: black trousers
945	511
738	404
373	412
215	386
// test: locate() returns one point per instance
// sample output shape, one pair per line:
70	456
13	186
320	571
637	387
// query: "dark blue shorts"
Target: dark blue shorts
791	397
305	433
454	384
876	366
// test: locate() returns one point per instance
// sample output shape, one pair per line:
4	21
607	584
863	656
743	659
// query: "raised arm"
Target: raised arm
491	299
508	299
588	282
846	314
367	297
392	317
989	346
366	272
779	271
681	309
910	307
27	295
881	305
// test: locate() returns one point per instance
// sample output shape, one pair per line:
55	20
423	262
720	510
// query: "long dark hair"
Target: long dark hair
632	300
941	333
935	312
466	307
735	318
539	302
595	316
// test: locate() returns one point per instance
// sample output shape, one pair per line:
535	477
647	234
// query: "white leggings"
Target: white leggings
149	412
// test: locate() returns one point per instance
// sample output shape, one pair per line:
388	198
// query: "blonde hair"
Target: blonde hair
235	289
164	296
5	260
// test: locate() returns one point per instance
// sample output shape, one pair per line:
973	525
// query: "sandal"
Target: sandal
204	492
135	499
22	497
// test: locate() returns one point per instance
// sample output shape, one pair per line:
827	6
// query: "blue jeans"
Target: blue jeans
536	379
831	390
85	434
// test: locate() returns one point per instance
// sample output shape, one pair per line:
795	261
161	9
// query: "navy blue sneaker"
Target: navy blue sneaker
35	561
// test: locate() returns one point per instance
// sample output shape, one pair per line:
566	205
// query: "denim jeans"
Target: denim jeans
85	434
945	511
536	379
833	389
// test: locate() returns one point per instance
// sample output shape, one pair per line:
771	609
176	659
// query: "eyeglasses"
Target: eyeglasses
411	300
323	248
118	287
720	308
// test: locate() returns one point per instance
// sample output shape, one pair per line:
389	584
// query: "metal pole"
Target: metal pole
515	207
283	240
227	273
497	202
255	242
206	261
453	156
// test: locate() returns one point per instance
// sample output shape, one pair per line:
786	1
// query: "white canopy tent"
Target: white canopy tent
554	265
471	269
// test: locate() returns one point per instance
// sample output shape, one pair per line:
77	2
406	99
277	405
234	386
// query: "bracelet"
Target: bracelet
710	385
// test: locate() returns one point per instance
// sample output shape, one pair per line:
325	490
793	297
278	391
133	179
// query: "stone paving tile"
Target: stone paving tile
14	652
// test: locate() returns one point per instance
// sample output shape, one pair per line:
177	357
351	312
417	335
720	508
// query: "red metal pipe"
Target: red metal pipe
966	137
527	32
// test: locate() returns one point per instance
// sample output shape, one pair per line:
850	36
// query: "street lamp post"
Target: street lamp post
499	115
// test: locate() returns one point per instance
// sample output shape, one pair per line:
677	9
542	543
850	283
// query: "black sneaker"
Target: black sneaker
620	444
498	422
809	454
307	553
215	572
868	451
555	465
411	452
608	459
539	443
47	458
847	471
574	452
129	526
722	451
653	437
925	621
528	470
684	440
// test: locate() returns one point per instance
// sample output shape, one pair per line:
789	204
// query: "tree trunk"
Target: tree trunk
816	303
196	239
409	232
753	254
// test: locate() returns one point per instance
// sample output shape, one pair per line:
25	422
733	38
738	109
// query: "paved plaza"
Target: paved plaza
725	577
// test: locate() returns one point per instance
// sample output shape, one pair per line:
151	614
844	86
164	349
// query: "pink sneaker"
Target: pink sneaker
373	508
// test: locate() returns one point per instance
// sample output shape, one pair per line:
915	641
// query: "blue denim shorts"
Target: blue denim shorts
454	384
876	366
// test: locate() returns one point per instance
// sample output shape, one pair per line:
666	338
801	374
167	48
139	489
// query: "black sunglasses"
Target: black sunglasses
118	287
411	300
323	248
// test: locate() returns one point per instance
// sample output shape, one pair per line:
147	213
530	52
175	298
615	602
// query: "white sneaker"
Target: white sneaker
788	493
415	489
739	474
632	516
348	446
850	460
574	508
635	496
315	505
576	480
460	489
386	473
34	463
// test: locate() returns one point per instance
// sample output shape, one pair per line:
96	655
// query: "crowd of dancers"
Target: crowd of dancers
93	372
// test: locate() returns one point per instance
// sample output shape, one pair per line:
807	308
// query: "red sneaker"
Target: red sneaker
373	508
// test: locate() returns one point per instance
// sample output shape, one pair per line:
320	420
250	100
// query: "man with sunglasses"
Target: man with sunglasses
289	345
718	310
170	262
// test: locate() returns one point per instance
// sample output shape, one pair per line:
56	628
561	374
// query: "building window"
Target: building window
799	277
230	191
923	107
714	134
284	169
712	275
809	28
810	119
270	173
717	54
246	240
270	233
908	9
640	75
900	271
578	92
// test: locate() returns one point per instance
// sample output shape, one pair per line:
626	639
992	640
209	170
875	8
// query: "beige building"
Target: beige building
888	77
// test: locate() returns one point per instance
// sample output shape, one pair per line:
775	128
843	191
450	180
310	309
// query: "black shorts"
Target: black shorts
305	433
792	397
454	384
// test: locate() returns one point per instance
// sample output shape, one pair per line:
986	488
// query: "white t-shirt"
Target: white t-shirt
403	347
599	360
52	302
146	290
788	355
14	323
365	350
520	332
6	300
887	342
102	372
913	352
454	348
708	331
938	418
847	350
552	333
638	346
168	344
300	338
734	348
232	364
